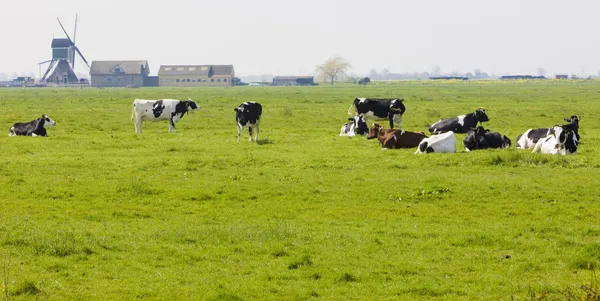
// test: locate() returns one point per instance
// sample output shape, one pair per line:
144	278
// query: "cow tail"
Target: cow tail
350	108
132	111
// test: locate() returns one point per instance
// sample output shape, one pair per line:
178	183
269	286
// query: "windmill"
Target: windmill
62	64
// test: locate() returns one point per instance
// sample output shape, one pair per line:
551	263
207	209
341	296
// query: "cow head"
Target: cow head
475	138
374	131
191	106
48	121
573	119
360	125
481	116
397	106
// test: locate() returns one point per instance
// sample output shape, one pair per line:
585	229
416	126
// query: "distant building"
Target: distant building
561	76
119	73
522	77
293	81
448	78
196	75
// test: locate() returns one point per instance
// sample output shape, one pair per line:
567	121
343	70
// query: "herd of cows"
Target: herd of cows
562	140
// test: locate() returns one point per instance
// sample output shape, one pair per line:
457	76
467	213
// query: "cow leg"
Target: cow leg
138	126
250	131
391	118
171	125
256	130
239	127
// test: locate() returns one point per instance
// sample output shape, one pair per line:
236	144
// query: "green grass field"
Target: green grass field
94	212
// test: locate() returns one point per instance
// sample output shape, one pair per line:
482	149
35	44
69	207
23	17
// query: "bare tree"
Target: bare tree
334	68
436	70
373	75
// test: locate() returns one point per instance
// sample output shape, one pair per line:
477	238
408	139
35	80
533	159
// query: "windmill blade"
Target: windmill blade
75	31
63	28
44	62
82	57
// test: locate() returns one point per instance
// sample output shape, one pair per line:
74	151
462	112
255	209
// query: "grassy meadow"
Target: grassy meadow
96	212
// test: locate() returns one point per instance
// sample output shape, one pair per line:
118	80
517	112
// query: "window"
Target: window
212	80
179	68
224	80
204	68
109	79
177	80
120	79
204	80
188	80
192	69
168	68
193	80
218	80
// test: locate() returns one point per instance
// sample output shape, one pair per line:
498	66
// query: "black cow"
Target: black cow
530	138
481	138
461	124
364	81
380	108
248	113
33	128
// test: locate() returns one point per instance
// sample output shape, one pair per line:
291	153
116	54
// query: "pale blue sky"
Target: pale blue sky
292	37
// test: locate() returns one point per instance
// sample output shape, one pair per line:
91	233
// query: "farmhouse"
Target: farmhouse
293	81
195	75
119	73
561	76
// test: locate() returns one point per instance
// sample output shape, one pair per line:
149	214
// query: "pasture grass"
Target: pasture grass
97	212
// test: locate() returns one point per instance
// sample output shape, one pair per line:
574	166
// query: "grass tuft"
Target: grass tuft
27	288
304	261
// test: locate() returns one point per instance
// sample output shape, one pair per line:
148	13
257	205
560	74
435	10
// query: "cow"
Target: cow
440	143
379	109
532	136
395	138
33	128
560	141
356	126
481	138
460	124
248	113
162	109
364	81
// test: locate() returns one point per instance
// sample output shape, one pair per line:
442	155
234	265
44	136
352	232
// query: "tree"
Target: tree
334	68
541	71
373	74
477	72
436	70
385	74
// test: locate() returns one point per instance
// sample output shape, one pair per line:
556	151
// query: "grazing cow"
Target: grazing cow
395	138
532	136
561	141
481	138
380	108
33	128
441	143
460	124
163	109
357	126
248	113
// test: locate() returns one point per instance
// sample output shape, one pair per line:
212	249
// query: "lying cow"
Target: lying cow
461	124
561	141
356	126
481	138
248	113
379	109
441	143
163	109
395	138
530	138
33	128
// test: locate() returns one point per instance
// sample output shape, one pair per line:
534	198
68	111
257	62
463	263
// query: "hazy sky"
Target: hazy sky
284	37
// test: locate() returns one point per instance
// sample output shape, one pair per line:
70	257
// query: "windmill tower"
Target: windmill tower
62	65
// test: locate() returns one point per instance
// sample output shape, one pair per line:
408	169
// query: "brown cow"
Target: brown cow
395	138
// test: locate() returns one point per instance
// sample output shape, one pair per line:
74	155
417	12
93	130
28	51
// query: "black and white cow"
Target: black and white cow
461	124
380	108
248	113
481	138
560	141
356	126
530	138
33	128
162	109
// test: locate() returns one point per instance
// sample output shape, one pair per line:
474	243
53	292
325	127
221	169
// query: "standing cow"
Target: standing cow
460	124
380	108
33	128
163	109
248	113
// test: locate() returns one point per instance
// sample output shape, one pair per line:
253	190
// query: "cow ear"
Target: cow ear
401	100
351	119
235	110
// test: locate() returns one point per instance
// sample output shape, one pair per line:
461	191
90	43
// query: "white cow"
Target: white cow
162	109
560	141
441	143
